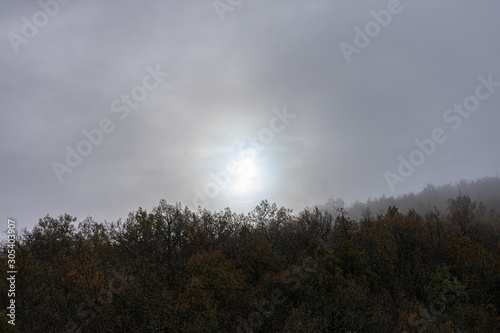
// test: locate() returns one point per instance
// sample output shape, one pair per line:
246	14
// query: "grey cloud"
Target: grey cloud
353	120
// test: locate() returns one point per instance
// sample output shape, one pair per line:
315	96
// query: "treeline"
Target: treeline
485	190
175	270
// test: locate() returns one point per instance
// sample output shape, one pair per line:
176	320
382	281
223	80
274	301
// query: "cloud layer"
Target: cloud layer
354	116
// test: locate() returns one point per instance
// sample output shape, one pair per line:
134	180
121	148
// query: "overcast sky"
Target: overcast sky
331	97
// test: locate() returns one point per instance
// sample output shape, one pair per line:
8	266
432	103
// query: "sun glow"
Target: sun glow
246	178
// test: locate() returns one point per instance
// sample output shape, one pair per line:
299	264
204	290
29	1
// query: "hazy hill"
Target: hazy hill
485	190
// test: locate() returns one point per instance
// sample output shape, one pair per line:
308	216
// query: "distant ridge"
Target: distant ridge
485	190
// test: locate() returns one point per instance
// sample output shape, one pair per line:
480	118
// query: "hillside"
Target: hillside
485	190
175	270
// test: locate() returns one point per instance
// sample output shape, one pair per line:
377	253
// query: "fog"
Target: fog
110	106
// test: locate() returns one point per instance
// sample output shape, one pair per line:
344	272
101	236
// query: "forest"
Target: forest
172	269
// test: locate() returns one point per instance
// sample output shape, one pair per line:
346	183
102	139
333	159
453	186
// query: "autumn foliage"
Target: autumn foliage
175	270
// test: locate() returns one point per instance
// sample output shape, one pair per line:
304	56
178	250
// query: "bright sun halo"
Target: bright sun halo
245	180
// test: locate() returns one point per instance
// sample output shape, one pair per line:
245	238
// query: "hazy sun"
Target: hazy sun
245	181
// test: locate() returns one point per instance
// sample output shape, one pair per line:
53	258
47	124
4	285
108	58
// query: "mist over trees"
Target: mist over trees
485	190
420	265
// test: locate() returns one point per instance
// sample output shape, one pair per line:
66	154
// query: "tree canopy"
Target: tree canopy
176	270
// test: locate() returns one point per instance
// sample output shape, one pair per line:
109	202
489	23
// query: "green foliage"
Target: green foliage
212	295
354	265
444	290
